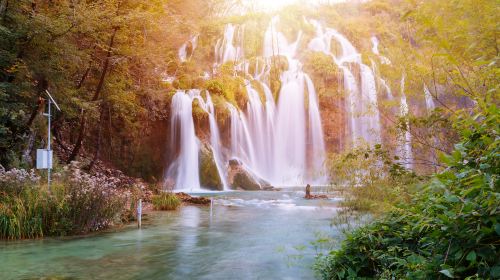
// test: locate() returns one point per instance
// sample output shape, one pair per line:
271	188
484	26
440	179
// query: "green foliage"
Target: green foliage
64	47
279	64
450	229
166	201
228	86
370	181
324	73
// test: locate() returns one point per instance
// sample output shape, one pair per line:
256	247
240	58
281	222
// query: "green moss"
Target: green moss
324	73
242	180
279	64
229	87
209	176
221	111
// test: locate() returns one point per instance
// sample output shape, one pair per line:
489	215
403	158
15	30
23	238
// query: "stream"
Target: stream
246	235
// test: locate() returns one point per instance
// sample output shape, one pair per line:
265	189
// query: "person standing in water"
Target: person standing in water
308	192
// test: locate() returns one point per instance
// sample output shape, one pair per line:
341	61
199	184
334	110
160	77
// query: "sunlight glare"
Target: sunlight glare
274	5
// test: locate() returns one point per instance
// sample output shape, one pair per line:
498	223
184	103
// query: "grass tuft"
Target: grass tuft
166	201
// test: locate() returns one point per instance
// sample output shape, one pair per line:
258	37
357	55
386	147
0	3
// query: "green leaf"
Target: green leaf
495	272
471	256
447	272
497	228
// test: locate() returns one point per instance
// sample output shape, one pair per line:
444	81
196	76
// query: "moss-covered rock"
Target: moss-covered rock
209	175
242	179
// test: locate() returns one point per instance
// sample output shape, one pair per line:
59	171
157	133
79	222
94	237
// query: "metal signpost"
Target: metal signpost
44	156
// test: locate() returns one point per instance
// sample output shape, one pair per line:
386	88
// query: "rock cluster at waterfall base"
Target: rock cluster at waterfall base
313	196
242	179
198	200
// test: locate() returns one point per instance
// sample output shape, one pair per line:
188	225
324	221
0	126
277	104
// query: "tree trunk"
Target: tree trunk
78	145
99	137
79	140
3	8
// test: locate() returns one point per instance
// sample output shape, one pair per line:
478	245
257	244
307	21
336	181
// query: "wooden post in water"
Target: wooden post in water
211	207
139	214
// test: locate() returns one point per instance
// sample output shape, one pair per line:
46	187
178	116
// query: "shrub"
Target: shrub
166	201
78	203
451	228
370	181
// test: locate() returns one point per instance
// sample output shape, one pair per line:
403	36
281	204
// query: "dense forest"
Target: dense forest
428	184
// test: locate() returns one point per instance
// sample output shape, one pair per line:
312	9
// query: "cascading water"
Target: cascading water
281	141
225	49
387	89
316	130
429	101
375	50
361	101
215	142
404	149
184	48
271	139
184	171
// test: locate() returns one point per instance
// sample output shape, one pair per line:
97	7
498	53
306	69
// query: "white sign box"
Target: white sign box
43	159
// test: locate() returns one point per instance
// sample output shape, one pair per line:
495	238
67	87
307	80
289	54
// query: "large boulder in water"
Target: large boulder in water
242	179
209	175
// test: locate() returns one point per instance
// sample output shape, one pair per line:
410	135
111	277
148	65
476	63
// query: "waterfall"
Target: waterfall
215	142
361	100
273	139
290	130
182	53
429	101
257	129
404	149
279	141
375	50
316	130
185	170
225	49
387	89
275	42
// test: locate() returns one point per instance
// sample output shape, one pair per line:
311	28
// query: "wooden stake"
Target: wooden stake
139	214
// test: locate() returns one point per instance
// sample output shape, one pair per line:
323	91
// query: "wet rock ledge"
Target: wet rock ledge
196	200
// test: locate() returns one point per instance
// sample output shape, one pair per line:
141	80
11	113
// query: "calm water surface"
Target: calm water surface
249	235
